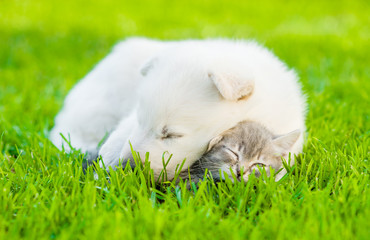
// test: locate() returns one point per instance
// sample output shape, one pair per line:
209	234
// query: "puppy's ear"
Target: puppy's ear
286	142
232	87
213	142
145	69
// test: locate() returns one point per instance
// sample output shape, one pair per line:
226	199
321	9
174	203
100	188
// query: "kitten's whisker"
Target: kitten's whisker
210	166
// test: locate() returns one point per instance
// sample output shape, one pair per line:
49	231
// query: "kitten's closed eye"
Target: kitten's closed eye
233	154
257	168
256	165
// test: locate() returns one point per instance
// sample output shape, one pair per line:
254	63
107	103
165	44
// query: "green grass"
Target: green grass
46	46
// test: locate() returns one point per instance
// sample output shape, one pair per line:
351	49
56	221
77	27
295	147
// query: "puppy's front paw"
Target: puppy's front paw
110	156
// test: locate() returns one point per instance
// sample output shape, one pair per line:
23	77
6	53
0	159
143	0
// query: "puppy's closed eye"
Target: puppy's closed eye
171	136
165	134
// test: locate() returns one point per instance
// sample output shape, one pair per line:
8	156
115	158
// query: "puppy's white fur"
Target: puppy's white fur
177	96
107	94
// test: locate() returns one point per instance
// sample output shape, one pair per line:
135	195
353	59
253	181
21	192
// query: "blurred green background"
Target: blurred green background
47	46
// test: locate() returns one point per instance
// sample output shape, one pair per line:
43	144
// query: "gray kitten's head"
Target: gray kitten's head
242	149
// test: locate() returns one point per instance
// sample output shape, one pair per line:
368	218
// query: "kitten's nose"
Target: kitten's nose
245	168
242	172
238	171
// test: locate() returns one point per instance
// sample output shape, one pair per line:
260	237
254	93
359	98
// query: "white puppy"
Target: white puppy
190	92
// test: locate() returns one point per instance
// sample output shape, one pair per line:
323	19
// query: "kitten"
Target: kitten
241	150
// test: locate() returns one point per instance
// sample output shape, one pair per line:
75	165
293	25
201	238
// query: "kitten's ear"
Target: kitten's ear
213	142
232	87
148	66
287	141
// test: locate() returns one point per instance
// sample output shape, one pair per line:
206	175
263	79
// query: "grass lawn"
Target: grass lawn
47	46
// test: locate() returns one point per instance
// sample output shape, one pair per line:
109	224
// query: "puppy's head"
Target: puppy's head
187	98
